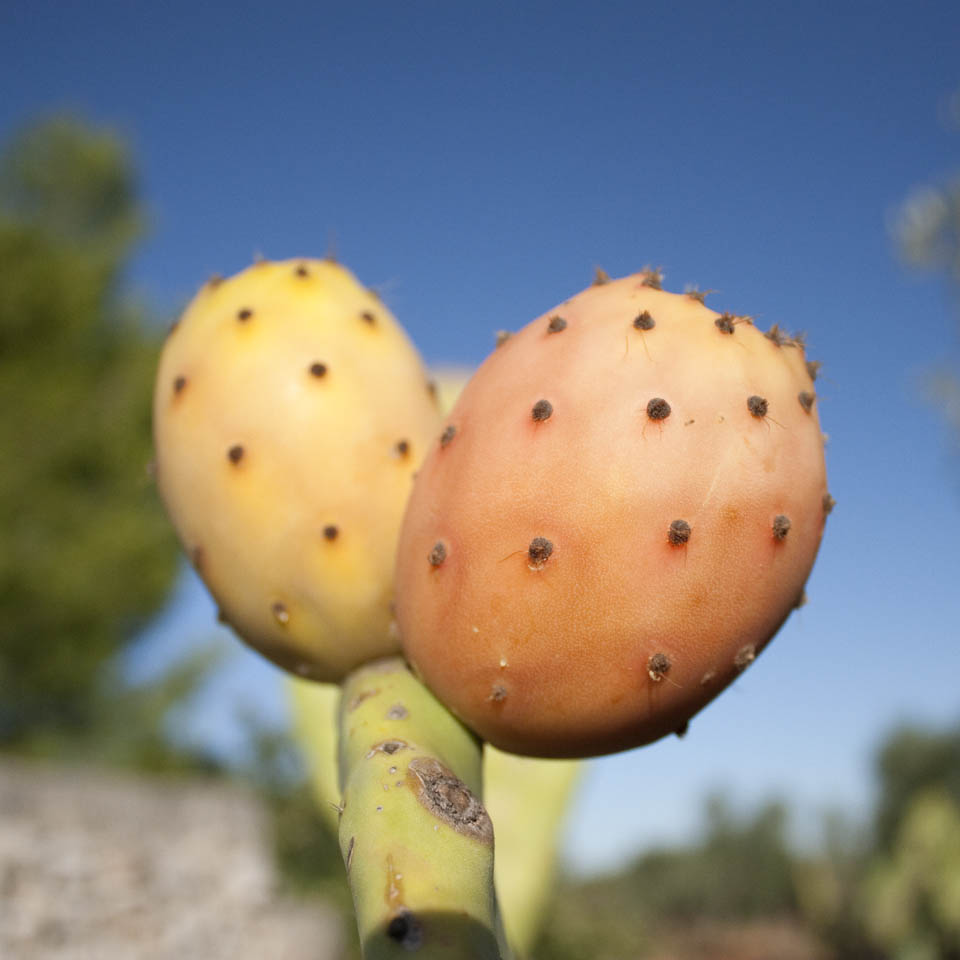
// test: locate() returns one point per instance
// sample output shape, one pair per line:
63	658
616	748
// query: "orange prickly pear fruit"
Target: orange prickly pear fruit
618	515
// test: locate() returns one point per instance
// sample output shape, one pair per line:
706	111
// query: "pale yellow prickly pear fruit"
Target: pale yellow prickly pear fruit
290	413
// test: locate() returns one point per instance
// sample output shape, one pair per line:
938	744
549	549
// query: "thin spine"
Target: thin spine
416	841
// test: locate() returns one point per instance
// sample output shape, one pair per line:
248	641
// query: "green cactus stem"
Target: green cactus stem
416	840
315	708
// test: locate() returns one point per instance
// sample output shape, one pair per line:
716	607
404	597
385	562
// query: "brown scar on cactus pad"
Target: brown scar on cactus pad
438	554
627	579
643	321
542	410
448	798
556	324
265	451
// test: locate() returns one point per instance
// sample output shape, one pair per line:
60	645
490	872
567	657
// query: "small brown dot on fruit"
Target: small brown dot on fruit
448	434
600	277
813	368
539	552
432	388
179	384
402	448
724	323
643	321
318	369
302	271
244	314
828	504
757	406
781	527
498	693
679	533
556	324
235	453
658	666
502	337
681	731
806	400
331	531
280	613
438	554
215	281
542	410
658	409
368	318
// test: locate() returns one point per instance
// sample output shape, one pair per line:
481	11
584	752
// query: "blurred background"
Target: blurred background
475	165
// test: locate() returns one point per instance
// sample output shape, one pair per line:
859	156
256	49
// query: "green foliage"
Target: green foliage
741	869
87	554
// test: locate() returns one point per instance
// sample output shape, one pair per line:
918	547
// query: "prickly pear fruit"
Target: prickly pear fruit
620	512
290	412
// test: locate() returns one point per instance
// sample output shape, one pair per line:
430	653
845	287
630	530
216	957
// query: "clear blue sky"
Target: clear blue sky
477	161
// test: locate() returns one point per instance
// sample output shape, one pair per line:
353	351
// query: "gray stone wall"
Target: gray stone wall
97	866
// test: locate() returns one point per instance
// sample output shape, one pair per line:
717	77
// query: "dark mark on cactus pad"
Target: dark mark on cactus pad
679	533
556	324
757	406
542	410
405	929
448	798
397	712
389	747
643	321
658	666
781	527
539	552
438	554
658	409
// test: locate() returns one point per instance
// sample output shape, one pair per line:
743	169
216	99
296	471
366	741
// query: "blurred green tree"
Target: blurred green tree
85	552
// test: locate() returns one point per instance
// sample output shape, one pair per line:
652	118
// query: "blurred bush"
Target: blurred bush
86	553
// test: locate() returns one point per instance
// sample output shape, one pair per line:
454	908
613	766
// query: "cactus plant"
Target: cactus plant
622	509
290	412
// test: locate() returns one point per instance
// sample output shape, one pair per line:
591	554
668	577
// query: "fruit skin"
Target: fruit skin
609	568
290	413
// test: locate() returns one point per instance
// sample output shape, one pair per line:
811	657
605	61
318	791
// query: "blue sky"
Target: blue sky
475	163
